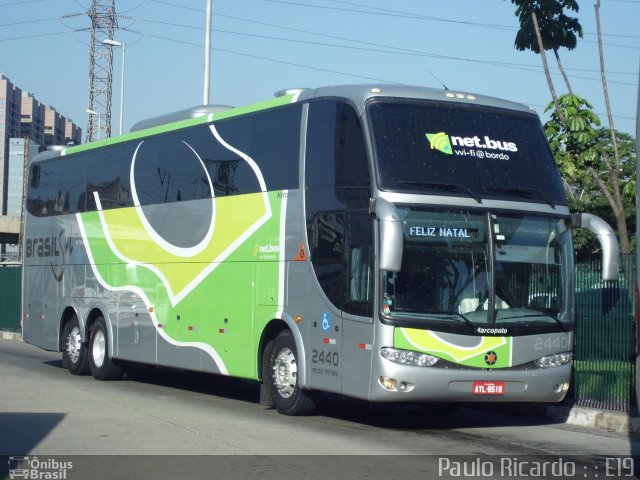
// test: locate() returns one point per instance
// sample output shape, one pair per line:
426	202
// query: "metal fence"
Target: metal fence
10	289
605	337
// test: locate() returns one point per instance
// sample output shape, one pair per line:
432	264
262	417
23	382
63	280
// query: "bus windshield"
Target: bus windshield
455	264
463	150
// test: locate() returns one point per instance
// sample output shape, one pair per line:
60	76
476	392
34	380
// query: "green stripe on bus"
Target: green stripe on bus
169	127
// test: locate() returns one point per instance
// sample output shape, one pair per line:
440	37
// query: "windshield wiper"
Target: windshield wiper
524	192
542	314
444	185
456	316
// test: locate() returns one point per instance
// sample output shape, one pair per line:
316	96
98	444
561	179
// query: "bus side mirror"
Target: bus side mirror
391	235
607	239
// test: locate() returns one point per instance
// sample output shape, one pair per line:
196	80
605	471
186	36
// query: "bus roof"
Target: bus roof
358	94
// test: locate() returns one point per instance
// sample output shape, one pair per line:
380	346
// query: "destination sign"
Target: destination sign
455	231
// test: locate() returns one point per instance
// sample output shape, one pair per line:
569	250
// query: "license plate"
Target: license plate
488	388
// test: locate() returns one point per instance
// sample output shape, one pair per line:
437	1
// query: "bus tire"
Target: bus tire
288	397
101	364
75	357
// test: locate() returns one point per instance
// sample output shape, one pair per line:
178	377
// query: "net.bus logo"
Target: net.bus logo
444	143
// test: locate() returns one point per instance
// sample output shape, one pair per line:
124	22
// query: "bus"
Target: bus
386	243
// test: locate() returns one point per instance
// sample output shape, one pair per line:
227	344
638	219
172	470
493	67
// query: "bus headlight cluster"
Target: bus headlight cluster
555	360
407	357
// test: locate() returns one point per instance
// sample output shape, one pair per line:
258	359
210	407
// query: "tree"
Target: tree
587	159
586	156
544	26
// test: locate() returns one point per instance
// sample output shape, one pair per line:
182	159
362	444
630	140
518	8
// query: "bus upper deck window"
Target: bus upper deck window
35	176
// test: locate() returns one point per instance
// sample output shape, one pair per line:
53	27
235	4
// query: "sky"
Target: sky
262	46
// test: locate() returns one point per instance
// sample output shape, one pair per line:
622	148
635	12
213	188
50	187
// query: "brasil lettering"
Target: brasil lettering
48	246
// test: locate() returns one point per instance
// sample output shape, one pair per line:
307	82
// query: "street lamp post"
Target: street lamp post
93	112
115	43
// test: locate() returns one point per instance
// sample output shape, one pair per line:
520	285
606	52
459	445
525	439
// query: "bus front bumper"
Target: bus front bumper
401	383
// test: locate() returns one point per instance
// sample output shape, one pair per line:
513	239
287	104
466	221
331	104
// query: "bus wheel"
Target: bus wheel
288	398
101	364
74	351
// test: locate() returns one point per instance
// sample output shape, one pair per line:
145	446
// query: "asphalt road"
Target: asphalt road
152	416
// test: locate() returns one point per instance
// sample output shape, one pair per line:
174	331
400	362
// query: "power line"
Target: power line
387	12
394	50
485	25
284	62
397	13
27	21
20	3
26	37
316	68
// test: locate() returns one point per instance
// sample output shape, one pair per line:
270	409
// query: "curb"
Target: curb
606	420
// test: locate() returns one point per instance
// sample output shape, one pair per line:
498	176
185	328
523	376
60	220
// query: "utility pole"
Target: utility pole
25	180
207	54
103	23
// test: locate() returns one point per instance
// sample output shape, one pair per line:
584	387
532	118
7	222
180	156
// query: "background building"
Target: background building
24	116
10	107
20	151
27	126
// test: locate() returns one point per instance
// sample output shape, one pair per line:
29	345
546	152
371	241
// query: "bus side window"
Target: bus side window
35	176
326	241
337	184
358	264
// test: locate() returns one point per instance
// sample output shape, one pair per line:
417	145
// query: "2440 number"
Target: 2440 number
325	358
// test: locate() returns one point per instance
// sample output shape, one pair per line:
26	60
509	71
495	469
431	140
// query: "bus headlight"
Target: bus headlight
407	357
553	361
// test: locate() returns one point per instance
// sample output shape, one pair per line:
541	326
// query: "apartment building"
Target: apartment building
22	116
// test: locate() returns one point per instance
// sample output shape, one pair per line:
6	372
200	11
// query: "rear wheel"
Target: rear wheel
288	397
100	362
74	350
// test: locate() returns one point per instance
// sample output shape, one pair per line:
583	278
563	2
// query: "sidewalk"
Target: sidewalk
607	420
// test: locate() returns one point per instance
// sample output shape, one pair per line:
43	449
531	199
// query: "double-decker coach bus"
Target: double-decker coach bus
394	244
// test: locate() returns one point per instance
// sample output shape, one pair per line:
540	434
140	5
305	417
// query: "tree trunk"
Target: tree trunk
614	141
615	202
618	208
552	89
564	74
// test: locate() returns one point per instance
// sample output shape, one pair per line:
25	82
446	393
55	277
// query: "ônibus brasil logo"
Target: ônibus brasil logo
444	143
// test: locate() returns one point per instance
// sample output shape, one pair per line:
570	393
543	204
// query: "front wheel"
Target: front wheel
288	397
100	362
74	350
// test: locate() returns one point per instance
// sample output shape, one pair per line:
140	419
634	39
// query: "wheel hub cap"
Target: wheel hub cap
74	344
285	372
98	349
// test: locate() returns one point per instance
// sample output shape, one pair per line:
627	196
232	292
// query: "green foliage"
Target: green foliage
580	143
556	29
574	143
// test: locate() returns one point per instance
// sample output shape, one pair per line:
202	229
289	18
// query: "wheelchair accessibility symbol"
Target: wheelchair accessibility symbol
326	321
